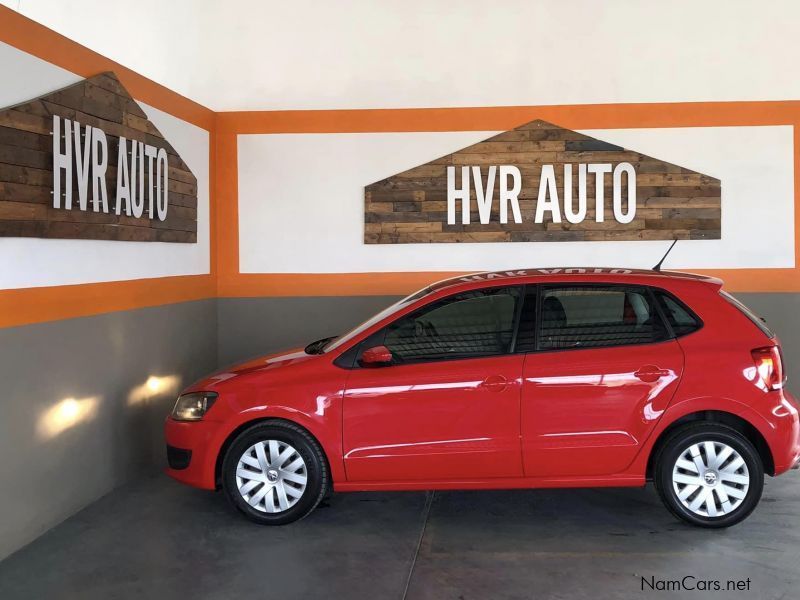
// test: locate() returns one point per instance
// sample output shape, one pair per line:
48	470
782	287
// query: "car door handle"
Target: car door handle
494	383
650	373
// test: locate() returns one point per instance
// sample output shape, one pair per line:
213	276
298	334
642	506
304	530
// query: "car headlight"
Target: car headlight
192	406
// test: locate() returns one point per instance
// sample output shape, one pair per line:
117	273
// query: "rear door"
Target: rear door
600	368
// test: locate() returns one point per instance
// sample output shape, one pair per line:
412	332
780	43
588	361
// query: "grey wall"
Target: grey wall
48	472
250	327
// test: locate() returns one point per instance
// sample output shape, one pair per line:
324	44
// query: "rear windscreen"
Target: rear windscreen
756	320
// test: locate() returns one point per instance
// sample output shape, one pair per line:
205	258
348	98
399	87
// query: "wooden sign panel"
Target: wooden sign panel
85	162
541	182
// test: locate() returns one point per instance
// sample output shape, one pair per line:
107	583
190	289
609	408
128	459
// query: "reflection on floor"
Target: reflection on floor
158	539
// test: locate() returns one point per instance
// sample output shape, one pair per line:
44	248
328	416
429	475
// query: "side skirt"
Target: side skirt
493	484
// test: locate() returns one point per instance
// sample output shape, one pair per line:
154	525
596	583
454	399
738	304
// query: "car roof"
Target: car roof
542	274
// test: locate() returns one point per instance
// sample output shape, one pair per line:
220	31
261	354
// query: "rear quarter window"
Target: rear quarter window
680	317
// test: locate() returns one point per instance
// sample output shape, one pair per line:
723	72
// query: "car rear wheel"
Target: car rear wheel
709	475
275	473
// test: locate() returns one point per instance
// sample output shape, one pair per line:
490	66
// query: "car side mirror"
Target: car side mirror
377	356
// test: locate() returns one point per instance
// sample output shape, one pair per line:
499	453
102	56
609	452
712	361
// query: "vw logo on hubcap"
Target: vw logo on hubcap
710	478
272	475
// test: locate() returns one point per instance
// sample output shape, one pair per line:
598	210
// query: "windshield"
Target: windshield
338	342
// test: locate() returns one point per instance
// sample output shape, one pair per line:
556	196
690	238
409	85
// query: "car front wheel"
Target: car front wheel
275	473
709	475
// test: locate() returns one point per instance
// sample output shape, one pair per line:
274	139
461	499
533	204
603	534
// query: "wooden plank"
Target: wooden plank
17	119
181	175
691	212
505	158
26	175
592	225
610	236
20	138
410	227
25	157
175	223
187	189
22	211
510	136
672	180
514	147
425	171
186	237
683	224
137	234
176	199
95	231
698	202
81	216
555	134
15	228
548	236
140	124
18	192
591	145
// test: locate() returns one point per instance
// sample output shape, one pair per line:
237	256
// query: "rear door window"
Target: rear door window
593	316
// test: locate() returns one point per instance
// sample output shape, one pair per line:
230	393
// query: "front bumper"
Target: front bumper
195	446
178	459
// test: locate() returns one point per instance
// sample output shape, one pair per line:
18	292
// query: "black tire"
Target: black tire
316	470
681	440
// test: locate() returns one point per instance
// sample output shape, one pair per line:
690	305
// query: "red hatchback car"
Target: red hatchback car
536	378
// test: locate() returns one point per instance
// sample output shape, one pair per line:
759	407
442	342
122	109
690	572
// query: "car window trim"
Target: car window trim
517	315
661	313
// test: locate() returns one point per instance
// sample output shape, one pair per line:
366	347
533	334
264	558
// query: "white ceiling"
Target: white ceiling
264	54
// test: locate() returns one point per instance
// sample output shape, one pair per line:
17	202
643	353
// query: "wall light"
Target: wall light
65	414
154	386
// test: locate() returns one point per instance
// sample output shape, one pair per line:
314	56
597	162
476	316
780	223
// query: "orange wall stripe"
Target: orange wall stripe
33	38
36	305
226	215
584	116
212	204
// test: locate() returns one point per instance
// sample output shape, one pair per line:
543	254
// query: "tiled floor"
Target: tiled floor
157	539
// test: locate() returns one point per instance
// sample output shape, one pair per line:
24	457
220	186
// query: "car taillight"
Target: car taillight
769	367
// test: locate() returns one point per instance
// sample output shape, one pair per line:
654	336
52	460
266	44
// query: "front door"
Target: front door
603	371
447	407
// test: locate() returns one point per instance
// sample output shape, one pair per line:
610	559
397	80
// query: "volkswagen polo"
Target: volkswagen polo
548	378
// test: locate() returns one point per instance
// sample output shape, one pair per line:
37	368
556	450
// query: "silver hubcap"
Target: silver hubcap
271	476
710	478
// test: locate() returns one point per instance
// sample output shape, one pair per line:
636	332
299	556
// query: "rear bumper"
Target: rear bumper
786	443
